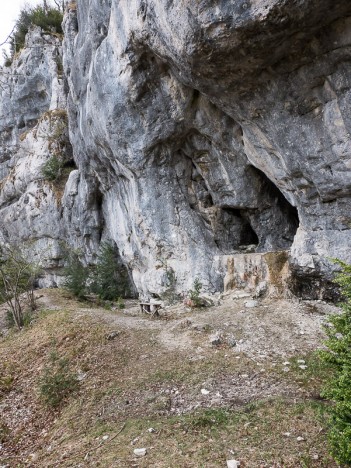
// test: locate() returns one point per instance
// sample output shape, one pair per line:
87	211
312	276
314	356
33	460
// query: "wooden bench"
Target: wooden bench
150	308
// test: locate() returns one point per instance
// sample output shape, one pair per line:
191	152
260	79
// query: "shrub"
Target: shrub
57	381
6	379
4	432
76	276
52	169
338	355
210	418
193	299
169	295
17	277
47	17
110	277
27	319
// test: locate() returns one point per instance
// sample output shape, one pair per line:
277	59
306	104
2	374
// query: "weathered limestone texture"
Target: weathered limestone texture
257	273
35	213
207	126
194	134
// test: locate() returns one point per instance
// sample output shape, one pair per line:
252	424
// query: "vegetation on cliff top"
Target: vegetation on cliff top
46	16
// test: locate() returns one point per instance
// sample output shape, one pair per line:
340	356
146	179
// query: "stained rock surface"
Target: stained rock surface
200	129
42	216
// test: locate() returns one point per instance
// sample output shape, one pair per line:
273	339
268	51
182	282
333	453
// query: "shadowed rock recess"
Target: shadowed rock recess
198	128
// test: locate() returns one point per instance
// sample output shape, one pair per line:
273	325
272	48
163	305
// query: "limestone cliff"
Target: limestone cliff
197	129
43	216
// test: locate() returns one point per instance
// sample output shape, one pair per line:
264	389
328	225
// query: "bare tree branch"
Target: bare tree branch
8	37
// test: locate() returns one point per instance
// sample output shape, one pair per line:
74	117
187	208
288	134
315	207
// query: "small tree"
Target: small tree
17	276
338	355
110	278
57	381
194	299
52	169
76	276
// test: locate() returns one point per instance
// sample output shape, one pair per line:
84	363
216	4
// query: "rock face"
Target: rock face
40	215
257	273
212	127
197	130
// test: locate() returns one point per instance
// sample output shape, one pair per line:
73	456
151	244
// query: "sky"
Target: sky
9	11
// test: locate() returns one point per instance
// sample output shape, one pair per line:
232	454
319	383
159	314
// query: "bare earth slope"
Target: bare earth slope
249	397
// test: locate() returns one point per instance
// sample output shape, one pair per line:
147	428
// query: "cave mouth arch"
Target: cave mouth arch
269	226
275	220
262	220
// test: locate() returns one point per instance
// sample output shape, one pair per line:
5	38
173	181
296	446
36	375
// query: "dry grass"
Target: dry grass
131	383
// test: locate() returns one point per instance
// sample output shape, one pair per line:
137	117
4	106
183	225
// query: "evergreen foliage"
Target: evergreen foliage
48	17
57	381
52	169
194	294
110	278
76	276
338	355
193	298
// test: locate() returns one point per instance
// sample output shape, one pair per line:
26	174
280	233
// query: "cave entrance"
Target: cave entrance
267	223
233	231
275	220
269	226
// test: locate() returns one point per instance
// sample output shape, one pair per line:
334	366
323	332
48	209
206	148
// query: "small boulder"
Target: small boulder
140	452
251	304
233	464
111	336
231	341
216	339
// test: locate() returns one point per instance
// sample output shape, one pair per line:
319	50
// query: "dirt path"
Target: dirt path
272	328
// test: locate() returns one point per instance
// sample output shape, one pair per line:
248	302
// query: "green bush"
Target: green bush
28	318
4	432
76	276
169	296
52	169
110	278
57	381
338	355
47	17
193	298
210	418
17	279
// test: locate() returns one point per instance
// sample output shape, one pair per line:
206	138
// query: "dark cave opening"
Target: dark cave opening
271	225
70	164
95	204
275	220
267	223
238	231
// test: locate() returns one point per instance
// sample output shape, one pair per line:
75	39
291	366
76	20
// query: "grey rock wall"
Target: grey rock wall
41	216
195	131
210	127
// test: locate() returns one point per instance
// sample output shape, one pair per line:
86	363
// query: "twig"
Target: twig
8	37
105	442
